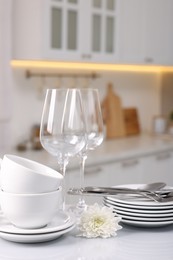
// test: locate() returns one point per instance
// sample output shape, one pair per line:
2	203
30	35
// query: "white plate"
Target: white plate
146	219
143	217
34	238
60	222
146	224
140	203
166	212
146	205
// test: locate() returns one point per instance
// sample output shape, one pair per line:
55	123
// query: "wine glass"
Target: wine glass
94	132
62	129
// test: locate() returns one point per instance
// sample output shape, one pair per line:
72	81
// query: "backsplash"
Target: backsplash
139	90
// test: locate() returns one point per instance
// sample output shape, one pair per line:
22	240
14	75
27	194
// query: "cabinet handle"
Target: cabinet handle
149	60
93	170
86	56
163	156
130	163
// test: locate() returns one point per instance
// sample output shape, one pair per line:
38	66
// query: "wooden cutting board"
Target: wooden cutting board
113	114
132	126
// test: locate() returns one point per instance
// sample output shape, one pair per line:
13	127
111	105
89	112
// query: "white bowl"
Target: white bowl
30	210
21	175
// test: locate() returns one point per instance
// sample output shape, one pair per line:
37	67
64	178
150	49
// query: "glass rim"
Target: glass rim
72	89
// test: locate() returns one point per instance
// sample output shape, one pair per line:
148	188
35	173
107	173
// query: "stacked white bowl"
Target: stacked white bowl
30	192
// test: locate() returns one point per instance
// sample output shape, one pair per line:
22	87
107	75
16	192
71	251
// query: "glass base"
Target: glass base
77	210
81	205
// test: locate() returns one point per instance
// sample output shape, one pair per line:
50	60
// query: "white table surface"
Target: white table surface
131	243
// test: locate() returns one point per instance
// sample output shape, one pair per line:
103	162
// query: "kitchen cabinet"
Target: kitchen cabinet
156	167
101	30
71	30
63	30
146	33
28	30
132	31
107	31
159	32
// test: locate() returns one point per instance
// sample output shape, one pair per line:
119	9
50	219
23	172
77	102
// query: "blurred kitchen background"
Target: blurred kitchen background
127	44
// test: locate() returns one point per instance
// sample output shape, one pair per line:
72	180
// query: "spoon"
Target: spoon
155	186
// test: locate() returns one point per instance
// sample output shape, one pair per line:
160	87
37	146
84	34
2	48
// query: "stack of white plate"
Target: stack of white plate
138	211
61	224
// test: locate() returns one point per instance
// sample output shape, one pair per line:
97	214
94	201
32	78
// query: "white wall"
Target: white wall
5	74
140	90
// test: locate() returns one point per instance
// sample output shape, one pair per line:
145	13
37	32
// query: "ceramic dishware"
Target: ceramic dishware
30	211
21	175
141	212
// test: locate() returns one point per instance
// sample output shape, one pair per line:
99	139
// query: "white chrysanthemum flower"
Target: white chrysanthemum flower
98	221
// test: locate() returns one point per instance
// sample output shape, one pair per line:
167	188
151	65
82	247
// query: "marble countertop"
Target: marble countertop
110	150
130	243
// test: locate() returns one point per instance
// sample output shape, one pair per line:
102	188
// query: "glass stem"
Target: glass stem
63	166
82	170
81	202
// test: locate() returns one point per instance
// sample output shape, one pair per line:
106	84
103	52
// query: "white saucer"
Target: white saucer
136	209
60	222
142	203
146	223
34	238
146	219
137	213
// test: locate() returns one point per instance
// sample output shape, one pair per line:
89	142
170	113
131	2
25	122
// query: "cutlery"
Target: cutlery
151	191
151	187
149	195
147	188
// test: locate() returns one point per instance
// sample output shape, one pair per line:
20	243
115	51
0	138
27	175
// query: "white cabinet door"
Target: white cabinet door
102	30
158	32
63	29
146	34
132	16
27	29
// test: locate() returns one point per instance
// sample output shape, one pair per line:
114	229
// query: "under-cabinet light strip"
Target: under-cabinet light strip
89	66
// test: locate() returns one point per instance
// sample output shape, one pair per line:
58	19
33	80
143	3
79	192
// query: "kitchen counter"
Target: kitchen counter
130	243
110	150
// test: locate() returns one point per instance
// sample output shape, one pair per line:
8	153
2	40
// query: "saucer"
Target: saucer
147	223
34	238
60	222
